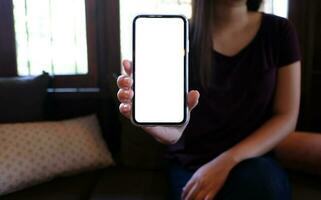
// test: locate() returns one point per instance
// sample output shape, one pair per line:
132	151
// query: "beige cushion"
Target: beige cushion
31	153
301	151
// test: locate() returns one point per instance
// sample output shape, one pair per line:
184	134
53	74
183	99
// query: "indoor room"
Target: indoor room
160	100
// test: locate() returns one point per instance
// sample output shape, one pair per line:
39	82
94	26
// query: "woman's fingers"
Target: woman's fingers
201	195
124	82
189	185
190	195
192	99
127	67
125	109
125	93
125	96
210	196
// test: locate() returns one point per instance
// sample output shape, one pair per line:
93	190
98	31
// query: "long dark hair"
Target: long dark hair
201	38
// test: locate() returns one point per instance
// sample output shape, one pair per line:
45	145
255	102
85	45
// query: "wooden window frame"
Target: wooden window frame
8	62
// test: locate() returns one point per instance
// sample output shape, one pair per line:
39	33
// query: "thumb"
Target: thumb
192	99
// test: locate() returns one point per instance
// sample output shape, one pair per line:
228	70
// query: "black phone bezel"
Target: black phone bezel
186	57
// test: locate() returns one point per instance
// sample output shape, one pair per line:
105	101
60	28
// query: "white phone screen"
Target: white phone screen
160	70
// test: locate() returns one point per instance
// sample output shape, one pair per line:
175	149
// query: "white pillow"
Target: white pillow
32	153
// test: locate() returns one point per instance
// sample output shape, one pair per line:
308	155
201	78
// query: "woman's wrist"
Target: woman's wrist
232	156
227	159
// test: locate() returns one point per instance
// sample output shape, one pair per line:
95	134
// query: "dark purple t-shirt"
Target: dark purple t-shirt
241	98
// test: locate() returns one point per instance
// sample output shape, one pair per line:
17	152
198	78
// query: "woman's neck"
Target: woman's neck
230	13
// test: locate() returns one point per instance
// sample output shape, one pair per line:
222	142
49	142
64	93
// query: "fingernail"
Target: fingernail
127	81
126	93
126	107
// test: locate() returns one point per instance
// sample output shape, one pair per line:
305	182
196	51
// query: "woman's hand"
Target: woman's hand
166	135
209	179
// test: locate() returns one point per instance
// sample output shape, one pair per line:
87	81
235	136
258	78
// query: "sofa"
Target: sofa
140	172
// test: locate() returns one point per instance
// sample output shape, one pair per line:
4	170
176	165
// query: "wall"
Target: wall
306	16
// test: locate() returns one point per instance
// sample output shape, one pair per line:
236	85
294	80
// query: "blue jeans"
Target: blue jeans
254	179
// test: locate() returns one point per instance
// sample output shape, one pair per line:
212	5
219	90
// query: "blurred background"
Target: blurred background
59	60
81	42
48	31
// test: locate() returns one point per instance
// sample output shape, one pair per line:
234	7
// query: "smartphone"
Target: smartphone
160	69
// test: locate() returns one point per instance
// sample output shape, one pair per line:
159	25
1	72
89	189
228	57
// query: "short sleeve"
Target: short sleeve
289	51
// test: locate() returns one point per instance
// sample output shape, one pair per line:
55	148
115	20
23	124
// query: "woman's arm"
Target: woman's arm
286	108
283	122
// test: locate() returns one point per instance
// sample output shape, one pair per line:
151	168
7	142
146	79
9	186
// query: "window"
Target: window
51	37
60	37
96	45
277	7
129	9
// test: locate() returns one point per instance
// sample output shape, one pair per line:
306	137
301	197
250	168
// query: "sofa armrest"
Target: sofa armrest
301	151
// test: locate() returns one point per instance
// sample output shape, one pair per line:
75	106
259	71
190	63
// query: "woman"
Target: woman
246	66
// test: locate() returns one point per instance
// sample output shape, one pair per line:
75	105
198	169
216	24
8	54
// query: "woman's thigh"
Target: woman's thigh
258	178
253	179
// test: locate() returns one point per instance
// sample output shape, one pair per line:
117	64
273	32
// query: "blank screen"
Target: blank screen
159	70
